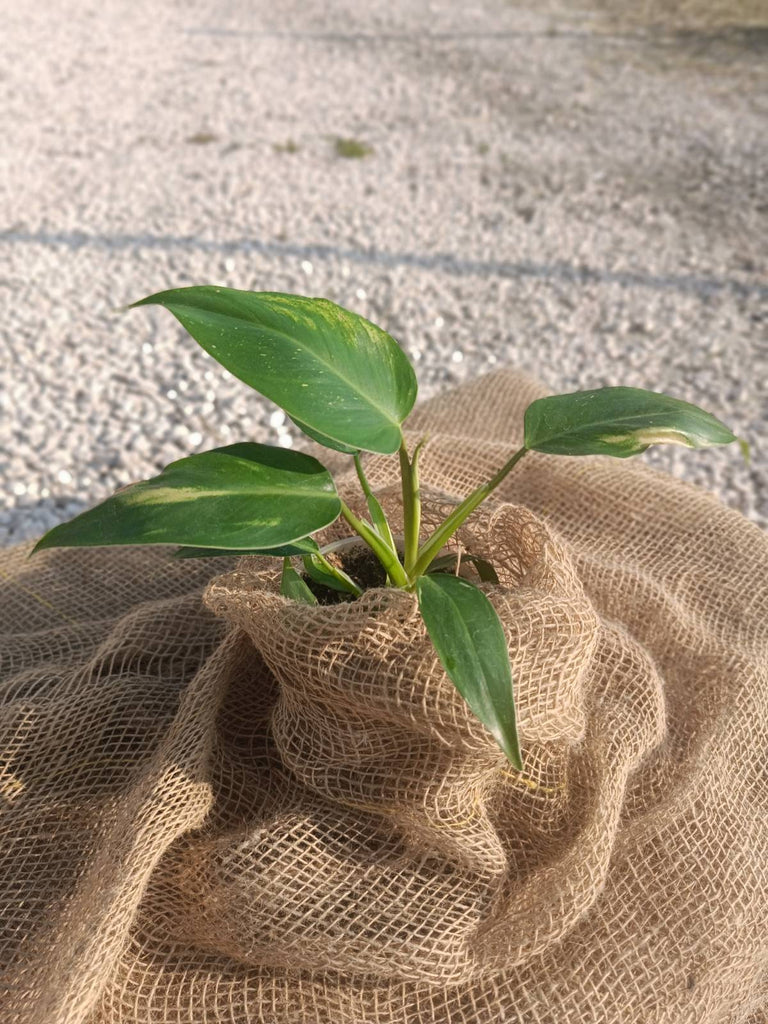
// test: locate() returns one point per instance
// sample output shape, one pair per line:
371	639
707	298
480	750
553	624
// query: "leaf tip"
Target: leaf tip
515	759
43	542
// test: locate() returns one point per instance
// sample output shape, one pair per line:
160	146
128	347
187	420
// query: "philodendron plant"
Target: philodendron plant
349	386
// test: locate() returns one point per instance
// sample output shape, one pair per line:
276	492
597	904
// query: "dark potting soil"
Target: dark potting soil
360	564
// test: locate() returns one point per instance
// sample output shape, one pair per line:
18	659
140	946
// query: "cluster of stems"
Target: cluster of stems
404	566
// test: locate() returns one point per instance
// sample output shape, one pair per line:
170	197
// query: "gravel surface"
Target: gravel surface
543	187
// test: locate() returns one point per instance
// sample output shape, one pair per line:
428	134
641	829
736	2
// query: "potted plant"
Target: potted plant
349	387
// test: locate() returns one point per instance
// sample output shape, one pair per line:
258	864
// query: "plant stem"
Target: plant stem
446	530
378	517
409	475
385	554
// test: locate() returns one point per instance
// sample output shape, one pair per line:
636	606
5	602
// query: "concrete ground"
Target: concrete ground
566	189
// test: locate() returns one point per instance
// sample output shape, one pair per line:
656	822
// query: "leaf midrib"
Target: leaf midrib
607	423
326	489
243	491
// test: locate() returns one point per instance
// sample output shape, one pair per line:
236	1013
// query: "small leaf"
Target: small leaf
379	520
294	587
619	422
316	571
469	640
341	378
485	570
241	497
376	512
300	547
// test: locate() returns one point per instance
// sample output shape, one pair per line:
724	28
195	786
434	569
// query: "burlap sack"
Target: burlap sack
258	811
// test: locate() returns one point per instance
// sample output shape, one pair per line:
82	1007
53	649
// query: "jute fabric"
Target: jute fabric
220	806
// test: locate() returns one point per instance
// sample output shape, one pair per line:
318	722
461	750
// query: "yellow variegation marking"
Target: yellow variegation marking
170	495
175	495
649	435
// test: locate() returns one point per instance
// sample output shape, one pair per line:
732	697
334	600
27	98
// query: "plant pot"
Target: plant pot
401	843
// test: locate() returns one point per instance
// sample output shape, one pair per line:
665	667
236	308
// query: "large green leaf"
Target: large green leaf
469	640
335	373
307	546
243	496
618	421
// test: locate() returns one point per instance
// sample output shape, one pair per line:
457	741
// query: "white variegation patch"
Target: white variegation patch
649	435
170	495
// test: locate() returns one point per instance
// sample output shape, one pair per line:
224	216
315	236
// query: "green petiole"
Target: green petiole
383	552
460	514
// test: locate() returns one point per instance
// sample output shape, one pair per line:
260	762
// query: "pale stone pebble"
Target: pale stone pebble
541	192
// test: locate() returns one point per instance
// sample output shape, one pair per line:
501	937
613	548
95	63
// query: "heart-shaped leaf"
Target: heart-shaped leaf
307	546
240	497
618	421
469	640
334	372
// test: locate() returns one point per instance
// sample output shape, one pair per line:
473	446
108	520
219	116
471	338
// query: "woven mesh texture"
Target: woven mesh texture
219	806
